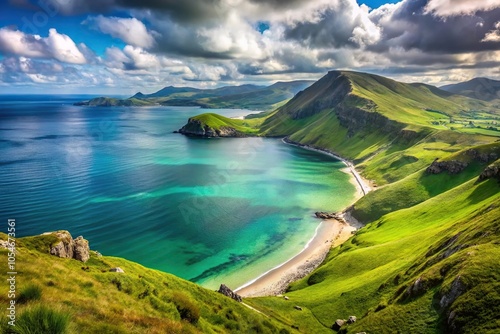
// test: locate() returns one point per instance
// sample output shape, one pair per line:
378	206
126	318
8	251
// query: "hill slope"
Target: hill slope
477	88
140	300
427	269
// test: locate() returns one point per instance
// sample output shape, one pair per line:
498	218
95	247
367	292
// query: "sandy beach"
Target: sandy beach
330	233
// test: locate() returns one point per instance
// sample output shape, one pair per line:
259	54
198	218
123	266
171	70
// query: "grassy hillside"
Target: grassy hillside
140	300
214	125
396	274
423	185
390	129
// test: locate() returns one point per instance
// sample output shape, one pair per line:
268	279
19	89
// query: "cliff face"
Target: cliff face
492	171
457	166
356	119
452	167
195	127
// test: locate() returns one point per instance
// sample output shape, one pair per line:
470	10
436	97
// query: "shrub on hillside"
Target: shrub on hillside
187	309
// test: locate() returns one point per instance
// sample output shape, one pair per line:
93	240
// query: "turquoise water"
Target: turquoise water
209	210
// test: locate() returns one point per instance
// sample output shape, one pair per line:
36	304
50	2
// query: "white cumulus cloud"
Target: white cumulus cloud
460	7
130	30
56	46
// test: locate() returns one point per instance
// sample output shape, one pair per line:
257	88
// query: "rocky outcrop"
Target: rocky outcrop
456	166
338	324
326	215
457	289
490	172
66	247
195	127
81	250
229	293
452	167
482	157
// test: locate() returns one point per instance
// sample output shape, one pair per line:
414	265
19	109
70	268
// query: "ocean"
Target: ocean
208	210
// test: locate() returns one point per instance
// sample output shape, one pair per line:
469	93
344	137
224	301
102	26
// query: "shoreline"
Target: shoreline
329	233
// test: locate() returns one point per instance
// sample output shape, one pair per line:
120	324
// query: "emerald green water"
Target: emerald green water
209	210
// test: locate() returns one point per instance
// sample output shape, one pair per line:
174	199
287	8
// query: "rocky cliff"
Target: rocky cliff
492	171
196	127
456	166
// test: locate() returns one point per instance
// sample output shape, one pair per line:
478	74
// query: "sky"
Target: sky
121	47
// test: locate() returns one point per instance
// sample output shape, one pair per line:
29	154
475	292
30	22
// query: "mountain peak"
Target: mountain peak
478	88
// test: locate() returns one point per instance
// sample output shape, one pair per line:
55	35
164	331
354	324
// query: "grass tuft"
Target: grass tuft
41	319
32	292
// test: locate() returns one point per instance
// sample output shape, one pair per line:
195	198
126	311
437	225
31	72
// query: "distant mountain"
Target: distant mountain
113	102
167	91
264	98
479	88
244	96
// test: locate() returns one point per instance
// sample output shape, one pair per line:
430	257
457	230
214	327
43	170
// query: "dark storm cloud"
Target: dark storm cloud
331	31
335	27
185	10
409	27
281	4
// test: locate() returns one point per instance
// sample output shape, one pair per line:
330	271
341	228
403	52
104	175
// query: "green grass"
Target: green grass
419	186
139	301
364	276
30	293
416	104
217	122
41	319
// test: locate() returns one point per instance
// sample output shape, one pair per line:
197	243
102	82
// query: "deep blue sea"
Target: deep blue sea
208	210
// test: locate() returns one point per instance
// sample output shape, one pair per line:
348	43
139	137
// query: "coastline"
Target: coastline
329	233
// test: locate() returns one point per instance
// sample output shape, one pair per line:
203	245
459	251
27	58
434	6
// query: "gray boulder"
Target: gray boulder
338	324
229	293
117	270
81	249
68	248
65	247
